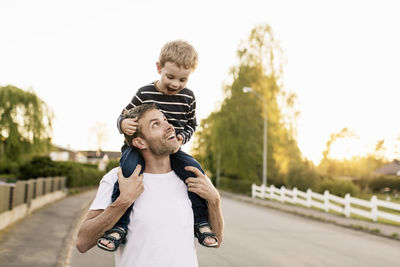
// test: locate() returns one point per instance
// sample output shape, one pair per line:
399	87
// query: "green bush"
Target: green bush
302	176
7	167
77	174
379	183
235	186
339	187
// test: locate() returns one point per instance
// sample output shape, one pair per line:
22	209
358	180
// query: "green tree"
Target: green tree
25	125
235	132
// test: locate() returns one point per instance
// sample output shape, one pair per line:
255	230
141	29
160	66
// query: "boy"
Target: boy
177	60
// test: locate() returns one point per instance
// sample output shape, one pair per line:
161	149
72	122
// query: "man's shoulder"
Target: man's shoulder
111	176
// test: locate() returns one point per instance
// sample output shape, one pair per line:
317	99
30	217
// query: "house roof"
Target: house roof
100	154
391	168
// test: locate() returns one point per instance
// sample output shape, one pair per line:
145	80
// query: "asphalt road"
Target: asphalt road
259	236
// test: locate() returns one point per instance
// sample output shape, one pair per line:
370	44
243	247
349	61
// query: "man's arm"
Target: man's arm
203	187
99	221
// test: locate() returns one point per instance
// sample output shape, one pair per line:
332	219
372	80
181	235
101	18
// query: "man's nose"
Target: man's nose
169	127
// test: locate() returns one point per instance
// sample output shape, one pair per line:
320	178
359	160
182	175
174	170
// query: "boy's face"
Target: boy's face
173	78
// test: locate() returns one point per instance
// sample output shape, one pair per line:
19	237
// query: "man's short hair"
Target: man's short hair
136	112
179	52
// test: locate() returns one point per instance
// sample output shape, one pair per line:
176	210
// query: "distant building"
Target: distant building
392	168
63	154
99	157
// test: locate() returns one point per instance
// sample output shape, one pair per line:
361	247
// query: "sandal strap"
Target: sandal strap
116	241
202	236
118	230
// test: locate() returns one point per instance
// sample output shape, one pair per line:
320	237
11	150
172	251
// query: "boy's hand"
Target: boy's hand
129	126
180	141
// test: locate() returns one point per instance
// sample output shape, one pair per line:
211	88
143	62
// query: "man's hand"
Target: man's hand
129	126
180	141
202	185
130	188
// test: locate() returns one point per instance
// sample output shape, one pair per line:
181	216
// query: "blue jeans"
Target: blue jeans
130	158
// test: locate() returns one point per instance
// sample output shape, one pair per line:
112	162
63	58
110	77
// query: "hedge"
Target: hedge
77	174
235	186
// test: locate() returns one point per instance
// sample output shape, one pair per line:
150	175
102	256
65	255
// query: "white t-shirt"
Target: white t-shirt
160	232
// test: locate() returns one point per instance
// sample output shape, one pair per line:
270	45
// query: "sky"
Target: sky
86	59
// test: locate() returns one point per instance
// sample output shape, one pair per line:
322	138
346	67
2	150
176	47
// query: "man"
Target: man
161	224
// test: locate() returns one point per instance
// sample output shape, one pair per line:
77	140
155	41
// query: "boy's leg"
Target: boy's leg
130	158
179	161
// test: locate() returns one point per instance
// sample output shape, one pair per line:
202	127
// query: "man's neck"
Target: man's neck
157	165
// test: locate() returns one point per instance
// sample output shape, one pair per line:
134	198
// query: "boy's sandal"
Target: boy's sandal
202	236
116	242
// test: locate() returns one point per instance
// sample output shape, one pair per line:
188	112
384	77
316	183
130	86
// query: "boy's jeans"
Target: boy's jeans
130	158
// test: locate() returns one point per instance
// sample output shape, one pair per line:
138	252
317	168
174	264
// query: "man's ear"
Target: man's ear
139	143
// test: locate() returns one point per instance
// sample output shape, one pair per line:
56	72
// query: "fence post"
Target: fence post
295	195
282	194
271	192
326	200
253	189
309	197
347	205
374	208
263	191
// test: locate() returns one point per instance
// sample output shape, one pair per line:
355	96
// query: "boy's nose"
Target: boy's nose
175	85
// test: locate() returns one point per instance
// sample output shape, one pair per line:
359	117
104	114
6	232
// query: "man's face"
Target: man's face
159	135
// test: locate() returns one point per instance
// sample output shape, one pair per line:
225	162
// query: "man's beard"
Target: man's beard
161	149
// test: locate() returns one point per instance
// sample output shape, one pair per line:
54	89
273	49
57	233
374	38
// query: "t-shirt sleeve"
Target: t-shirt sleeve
104	192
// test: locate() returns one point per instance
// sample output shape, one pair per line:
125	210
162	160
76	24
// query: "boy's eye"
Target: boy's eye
183	80
170	76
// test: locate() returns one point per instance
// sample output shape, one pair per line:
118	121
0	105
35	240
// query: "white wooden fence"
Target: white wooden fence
327	202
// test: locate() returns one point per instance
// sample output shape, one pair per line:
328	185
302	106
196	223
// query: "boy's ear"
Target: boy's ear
139	143
158	67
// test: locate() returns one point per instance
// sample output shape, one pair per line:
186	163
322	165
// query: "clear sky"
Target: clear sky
86	59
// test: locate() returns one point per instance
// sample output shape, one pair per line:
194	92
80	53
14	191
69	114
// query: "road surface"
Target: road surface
259	236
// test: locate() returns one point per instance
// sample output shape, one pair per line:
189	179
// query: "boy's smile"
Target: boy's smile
173	78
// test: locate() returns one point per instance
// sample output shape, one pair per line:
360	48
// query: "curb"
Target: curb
69	239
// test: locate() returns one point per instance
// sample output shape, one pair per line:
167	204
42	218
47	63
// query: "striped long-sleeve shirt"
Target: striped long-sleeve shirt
179	109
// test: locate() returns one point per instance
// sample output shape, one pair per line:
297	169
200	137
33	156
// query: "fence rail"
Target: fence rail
347	205
19	199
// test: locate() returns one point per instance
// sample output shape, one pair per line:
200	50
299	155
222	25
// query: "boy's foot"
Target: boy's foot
112	239
205	235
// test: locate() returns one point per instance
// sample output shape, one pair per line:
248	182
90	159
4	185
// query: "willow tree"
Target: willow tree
233	135
25	124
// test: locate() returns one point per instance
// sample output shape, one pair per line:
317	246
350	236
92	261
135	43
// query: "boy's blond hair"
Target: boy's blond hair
179	52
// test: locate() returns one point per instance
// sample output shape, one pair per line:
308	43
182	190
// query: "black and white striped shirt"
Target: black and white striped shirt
179	109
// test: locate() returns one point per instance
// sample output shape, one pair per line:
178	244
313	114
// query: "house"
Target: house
59	153
392	168
98	157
